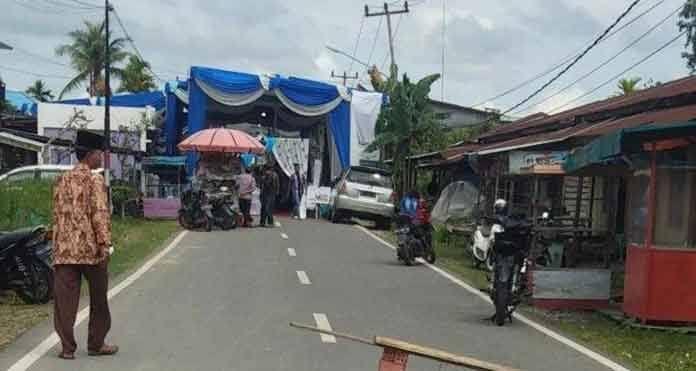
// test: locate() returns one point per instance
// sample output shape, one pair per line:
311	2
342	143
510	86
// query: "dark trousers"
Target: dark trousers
267	208
245	208
67	283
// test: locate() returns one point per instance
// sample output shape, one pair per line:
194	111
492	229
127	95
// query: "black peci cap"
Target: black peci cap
89	141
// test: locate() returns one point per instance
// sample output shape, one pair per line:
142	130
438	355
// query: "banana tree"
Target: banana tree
407	124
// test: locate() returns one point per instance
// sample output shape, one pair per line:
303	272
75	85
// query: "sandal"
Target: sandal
66	356
106	350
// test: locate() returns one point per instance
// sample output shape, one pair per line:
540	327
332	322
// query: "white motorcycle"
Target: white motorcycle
484	236
483	240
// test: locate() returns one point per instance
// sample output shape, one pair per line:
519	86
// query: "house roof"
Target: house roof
683	86
585	130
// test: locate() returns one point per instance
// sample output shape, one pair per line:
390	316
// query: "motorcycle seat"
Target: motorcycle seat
20	235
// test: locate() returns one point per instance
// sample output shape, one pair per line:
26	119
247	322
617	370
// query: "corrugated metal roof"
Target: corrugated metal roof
667	116
458	151
678	87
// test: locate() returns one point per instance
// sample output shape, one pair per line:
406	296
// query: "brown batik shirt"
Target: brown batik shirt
81	218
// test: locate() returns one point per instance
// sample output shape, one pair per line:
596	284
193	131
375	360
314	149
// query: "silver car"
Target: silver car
365	193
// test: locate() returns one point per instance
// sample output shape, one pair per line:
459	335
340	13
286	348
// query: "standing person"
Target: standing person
81	248
247	186
270	188
297	188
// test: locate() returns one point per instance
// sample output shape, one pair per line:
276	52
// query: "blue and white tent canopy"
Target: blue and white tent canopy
209	87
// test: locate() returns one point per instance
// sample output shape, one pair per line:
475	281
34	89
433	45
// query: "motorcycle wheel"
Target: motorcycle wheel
430	256
184	221
501	302
208	224
408	255
229	222
489	262
37	287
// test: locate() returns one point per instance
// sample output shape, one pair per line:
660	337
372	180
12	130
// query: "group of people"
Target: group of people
82	239
268	183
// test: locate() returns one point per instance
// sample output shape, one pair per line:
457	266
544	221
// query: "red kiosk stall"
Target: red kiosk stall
660	271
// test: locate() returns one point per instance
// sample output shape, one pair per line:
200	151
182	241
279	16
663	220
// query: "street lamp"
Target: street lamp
356	60
4	46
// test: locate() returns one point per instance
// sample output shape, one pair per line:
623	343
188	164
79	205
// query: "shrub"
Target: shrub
26	204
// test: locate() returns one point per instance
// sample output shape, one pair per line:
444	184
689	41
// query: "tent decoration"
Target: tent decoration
207	87
222	140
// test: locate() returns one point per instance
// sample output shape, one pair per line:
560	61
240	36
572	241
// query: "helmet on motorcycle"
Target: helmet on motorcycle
500	206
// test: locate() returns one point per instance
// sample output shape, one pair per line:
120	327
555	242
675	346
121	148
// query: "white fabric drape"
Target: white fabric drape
308	110
364	111
227	98
290	151
182	95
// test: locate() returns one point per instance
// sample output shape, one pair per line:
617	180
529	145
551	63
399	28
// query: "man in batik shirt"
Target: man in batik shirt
82	246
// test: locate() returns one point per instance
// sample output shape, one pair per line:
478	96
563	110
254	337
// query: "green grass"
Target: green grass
25	204
641	349
29	204
135	239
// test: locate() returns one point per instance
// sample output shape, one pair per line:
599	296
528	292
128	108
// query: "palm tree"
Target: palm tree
136	76
40	91
87	56
628	86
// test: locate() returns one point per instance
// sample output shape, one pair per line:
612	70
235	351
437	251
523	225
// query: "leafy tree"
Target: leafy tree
86	51
628	86
40	91
650	83
687	22
7	107
407	125
136	76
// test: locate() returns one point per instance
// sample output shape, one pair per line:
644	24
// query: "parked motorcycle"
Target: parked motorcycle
483	240
414	241
221	209
509	254
26	257
192	214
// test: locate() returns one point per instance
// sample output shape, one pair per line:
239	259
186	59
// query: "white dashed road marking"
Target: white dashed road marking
284	236
302	276
323	324
292	251
40	350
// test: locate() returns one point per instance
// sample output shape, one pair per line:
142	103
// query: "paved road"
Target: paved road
223	301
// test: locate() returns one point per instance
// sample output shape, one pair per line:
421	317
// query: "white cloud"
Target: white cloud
491	45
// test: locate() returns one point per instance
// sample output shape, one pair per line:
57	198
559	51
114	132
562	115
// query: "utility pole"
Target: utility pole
107	98
345	77
388	13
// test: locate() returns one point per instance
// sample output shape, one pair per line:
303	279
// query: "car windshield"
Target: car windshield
373	178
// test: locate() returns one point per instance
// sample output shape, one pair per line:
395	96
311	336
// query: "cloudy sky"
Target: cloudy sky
490	46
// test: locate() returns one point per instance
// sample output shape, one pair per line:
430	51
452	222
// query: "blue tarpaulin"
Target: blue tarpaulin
227	81
24	104
155	99
339	122
164	161
305	92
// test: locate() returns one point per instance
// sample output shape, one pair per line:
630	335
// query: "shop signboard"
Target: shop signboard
524	162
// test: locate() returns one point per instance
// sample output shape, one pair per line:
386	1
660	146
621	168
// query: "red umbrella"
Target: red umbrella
222	140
